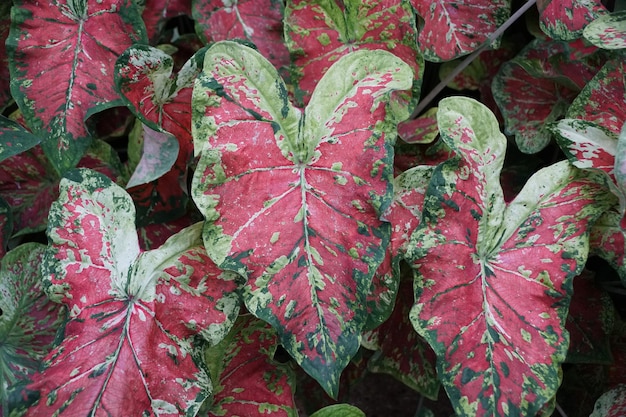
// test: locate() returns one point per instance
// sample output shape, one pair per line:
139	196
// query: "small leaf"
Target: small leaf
28	320
339	410
456	28
159	153
276	184
612	403
14	139
78	41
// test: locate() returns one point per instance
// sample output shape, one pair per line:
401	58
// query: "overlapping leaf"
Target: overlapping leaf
62	56
608	31
14	138
28	319
455	28
566	20
537	87
130	346
493	281
258	21
319	33
292	198
247	379
608	240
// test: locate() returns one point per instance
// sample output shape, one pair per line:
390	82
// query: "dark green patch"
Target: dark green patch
92	86
476	215
468	375
505	369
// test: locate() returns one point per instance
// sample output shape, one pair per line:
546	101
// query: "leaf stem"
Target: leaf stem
468	60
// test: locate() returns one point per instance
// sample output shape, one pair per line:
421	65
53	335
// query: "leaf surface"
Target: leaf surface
319	33
478	261
14	138
292	199
130	346
159	153
29	320
455	28
248	381
566	20
62	55
257	21
608	31
612	403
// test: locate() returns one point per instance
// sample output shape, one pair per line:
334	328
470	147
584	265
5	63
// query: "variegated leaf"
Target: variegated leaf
409	155
612	403
292	198
602	100
62	55
422	129
28	319
566	19
257	21
479	261
247	379
608	240
130	346
537	87
319	33
455	28
339	410
608	31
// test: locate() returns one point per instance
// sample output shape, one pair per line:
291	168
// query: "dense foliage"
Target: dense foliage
231	207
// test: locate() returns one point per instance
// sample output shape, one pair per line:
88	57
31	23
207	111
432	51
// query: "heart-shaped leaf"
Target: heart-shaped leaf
292	199
247	379
130	346
478	262
28	319
455	28
319	33
566	19
257	21
62	55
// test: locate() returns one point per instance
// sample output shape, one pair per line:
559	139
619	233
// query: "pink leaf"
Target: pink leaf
566	20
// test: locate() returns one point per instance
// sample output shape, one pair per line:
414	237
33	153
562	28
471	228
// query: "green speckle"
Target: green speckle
92	86
274	237
324	39
354	253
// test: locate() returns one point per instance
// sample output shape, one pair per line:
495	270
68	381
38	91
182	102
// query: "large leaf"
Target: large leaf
258	21
62	55
537	87
319	33
130	346
247	379
28	319
478	262
292	198
566	20
455	28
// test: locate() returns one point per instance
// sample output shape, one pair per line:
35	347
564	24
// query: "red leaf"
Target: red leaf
129	346
258	21
62	56
318	34
455	28
566	19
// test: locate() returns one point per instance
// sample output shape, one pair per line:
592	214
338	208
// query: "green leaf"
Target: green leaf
339	410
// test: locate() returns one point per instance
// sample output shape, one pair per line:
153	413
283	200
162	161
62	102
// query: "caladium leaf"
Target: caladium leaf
422	129
602	99
319	33
478	261
61	56
608	31
130	346
28	319
258	21
455	28
159	153
566	20
247	380
159	98
319	171
339	410
14	138
608	241
537	87
612	403
409	155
